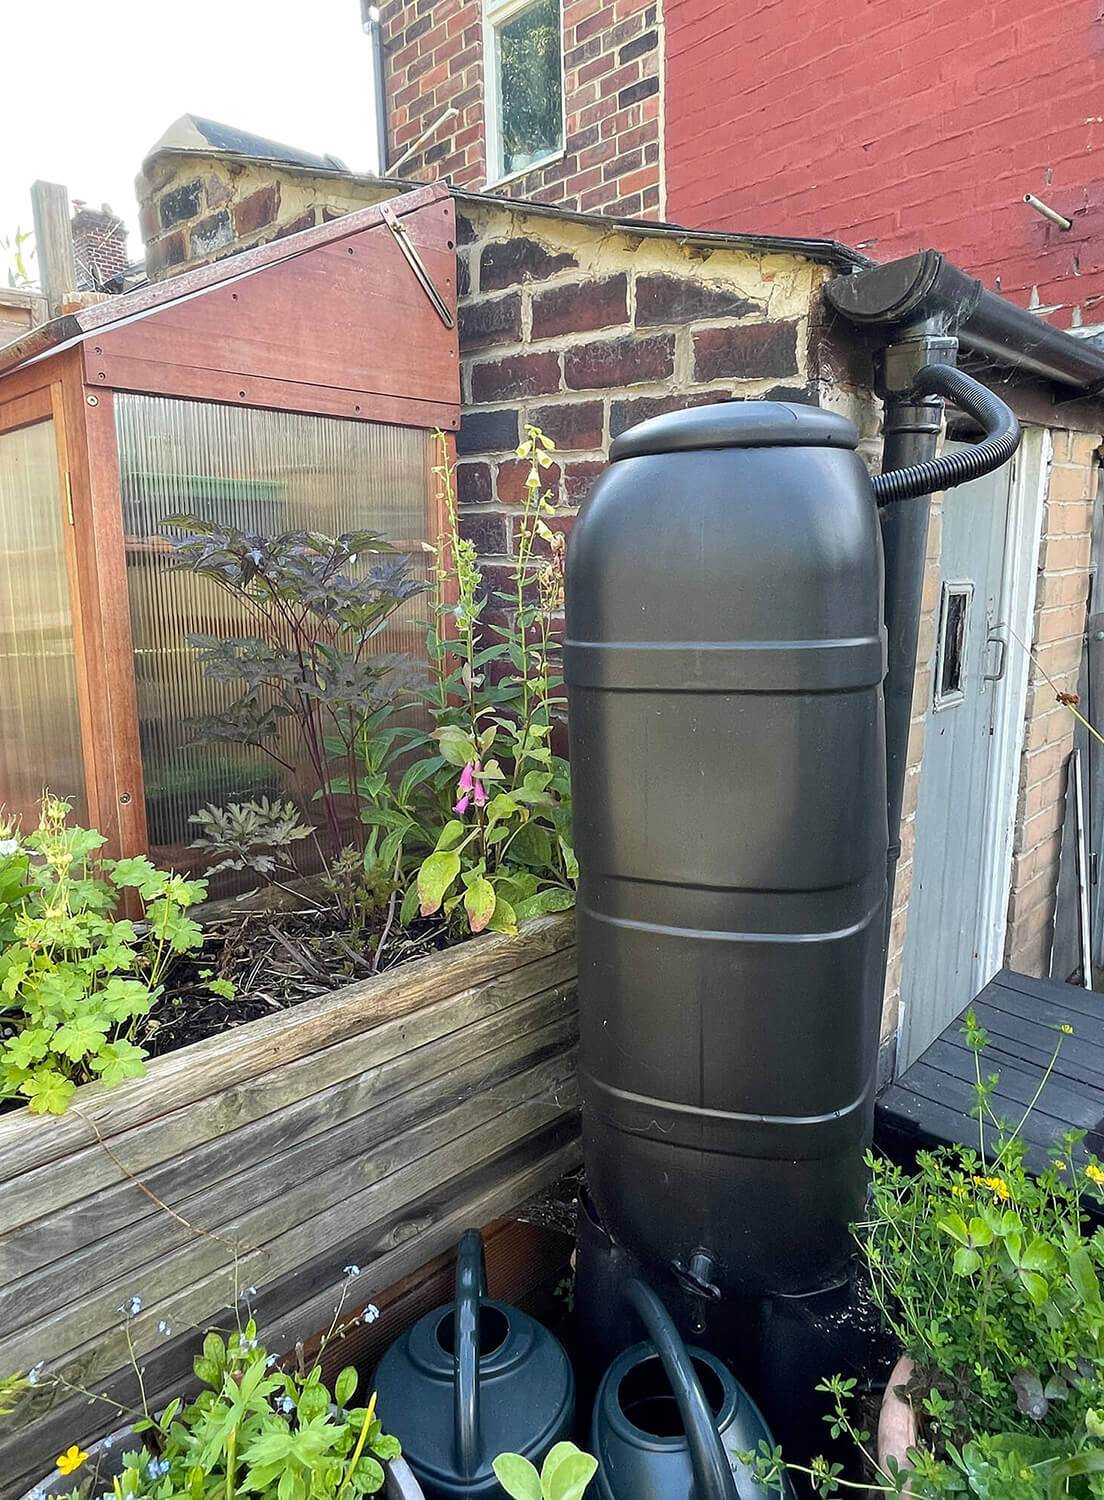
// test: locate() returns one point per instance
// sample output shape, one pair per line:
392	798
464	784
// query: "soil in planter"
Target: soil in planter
275	959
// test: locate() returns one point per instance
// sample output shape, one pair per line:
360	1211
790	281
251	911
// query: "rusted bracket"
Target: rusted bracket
416	264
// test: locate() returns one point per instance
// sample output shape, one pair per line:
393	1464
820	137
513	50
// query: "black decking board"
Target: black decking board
929	1105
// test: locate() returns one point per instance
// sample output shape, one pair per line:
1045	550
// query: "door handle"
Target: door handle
998	636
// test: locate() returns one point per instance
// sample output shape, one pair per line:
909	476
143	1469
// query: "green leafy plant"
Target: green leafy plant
253	1430
564	1475
492	802
308	678
75	981
259	836
986	1276
19	253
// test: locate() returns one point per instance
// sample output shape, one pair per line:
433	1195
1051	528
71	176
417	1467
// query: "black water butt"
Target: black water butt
724	656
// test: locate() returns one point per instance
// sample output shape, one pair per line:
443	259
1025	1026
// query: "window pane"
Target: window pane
529	83
40	743
261	471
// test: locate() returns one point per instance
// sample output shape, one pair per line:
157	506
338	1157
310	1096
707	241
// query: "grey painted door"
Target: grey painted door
943	938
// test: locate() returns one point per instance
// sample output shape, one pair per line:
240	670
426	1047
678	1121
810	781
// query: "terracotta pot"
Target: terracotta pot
898	1430
105	1460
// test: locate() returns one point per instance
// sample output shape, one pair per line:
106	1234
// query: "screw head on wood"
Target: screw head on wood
93	400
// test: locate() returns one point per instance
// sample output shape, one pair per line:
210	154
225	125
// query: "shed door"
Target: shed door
945	936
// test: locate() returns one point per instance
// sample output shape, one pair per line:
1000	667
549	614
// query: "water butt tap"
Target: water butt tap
695	1276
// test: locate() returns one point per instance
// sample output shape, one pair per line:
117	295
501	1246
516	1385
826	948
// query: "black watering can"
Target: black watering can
471	1381
669	1421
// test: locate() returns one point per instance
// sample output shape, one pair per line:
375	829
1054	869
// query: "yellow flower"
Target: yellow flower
1066	1029
1094	1174
960	1190
71	1459
996	1185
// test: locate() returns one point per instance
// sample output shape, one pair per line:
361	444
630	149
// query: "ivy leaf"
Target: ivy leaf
434	878
479	903
48	1091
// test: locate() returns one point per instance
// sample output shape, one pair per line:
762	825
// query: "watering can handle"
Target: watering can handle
471	1287
713	1478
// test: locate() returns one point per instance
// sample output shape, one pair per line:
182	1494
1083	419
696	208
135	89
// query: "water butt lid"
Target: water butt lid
738	424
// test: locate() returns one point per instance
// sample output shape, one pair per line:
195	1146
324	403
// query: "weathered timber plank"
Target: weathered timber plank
123	1205
285	1232
253	1177
88	1168
48	1424
208	1067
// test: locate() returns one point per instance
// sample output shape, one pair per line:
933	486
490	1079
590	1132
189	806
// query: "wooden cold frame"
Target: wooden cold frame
327	322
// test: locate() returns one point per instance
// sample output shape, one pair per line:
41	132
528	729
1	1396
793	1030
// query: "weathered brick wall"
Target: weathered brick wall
585	331
195	209
613	60
894	128
1060	602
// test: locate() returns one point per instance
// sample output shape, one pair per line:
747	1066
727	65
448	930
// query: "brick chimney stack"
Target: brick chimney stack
99	246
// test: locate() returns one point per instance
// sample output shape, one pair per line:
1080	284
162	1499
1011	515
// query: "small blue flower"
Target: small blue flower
370	1313
157	1467
132	1307
352	1270
250	1291
33	1378
286	1404
164	1328
272	1359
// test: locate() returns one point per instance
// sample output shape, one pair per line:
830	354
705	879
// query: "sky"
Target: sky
100	84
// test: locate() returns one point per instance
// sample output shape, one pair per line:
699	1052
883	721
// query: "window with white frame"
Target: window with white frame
523	55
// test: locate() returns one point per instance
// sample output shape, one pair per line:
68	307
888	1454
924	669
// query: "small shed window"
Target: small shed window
40	741
524	80
261	471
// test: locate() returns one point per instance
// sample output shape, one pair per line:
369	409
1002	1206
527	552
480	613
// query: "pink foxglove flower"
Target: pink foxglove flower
471	789
465	788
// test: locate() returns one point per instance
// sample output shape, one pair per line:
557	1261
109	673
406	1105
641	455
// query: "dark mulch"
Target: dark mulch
275	960
555	1207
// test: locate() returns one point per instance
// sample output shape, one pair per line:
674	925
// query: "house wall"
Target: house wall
613	59
197	209
896	129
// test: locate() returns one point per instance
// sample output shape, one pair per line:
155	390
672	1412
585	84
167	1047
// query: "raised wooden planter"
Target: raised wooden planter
368	1126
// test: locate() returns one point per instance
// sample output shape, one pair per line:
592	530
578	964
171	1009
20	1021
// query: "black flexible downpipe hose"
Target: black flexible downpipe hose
1002	438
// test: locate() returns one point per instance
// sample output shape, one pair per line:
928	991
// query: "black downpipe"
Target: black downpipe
909	475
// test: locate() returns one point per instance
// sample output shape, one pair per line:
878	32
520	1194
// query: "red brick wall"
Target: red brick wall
612	80
895	128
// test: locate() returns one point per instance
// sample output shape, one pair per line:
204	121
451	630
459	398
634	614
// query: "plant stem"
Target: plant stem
354	1458
231	1462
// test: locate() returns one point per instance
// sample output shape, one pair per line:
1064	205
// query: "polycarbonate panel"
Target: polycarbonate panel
40	742
261	471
